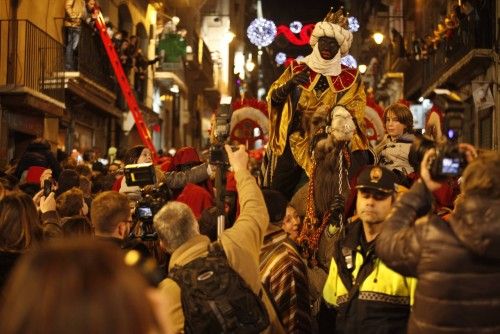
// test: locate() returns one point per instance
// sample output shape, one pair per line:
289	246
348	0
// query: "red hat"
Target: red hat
185	156
33	174
197	198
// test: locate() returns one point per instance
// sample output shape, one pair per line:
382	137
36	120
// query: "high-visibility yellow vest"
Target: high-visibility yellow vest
382	285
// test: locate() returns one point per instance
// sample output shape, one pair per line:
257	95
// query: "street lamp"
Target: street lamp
362	68
229	36
378	38
249	65
175	20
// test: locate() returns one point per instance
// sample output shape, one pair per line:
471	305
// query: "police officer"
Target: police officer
361	294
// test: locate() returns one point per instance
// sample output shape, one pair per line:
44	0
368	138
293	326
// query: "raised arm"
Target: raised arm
248	231
177	180
398	245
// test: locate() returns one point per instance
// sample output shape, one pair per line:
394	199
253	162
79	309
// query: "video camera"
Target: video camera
222	129
152	198
140	174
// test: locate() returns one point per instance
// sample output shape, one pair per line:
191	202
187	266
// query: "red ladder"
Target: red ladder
124	84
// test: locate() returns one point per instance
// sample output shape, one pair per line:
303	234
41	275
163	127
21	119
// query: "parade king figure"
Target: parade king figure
302	98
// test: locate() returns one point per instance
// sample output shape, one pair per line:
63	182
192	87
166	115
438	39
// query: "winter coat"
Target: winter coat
393	154
75	12
457	262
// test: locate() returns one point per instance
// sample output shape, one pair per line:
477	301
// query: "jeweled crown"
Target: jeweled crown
337	17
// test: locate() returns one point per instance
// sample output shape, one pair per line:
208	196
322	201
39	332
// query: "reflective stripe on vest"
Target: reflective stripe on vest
383	284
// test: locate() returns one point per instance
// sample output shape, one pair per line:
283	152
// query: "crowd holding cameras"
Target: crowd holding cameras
397	264
332	235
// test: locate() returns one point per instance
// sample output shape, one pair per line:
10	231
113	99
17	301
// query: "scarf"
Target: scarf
325	67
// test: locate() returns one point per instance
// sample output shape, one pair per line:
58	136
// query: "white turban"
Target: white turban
343	36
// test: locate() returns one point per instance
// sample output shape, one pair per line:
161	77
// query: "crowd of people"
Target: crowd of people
74	249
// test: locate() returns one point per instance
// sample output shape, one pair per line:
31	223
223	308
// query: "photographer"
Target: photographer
112	220
457	262
180	236
173	180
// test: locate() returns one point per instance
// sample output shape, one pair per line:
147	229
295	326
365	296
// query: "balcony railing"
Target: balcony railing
205	67
471	34
29	57
92	59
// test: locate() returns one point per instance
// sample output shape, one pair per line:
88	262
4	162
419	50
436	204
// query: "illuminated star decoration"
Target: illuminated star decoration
261	32
280	58
353	24
349	61
295	27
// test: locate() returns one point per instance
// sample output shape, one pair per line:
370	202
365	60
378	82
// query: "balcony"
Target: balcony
199	65
92	60
93	81
31	68
458	59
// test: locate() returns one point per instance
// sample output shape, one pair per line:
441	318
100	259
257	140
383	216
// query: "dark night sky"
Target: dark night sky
284	12
306	11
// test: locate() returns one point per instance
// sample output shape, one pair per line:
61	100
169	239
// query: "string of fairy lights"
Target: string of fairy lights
262	32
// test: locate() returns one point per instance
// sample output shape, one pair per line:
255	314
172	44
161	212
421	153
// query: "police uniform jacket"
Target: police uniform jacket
368	296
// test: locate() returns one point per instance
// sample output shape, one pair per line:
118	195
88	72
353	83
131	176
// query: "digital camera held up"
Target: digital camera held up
222	129
450	161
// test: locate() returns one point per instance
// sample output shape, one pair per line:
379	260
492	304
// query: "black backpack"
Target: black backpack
215	299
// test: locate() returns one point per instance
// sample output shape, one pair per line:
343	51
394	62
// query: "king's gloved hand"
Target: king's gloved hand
337	208
281	93
300	78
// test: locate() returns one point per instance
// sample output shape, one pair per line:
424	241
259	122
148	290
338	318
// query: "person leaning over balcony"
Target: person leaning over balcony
74	14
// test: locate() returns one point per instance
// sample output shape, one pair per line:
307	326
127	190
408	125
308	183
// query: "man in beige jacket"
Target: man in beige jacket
74	13
179	235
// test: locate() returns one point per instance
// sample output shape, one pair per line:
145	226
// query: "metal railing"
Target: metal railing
92	60
29	57
206	66
471	34
467	37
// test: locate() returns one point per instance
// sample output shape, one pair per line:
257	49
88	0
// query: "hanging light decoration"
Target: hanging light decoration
280	58
295	27
353	24
349	61
261	32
